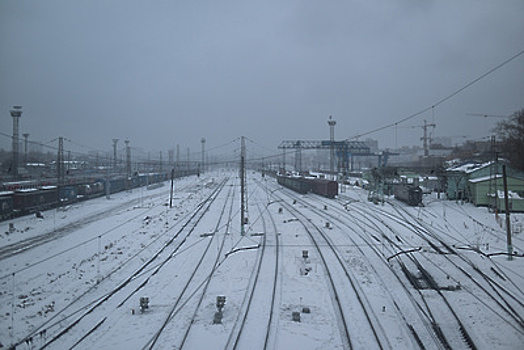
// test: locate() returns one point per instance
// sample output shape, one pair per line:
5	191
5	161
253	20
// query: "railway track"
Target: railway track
351	306
63	323
19	247
459	338
262	292
194	290
424	278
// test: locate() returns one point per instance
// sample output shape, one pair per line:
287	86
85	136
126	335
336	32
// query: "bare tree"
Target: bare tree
511	136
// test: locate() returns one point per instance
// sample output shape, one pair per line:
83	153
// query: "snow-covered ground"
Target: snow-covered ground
75	277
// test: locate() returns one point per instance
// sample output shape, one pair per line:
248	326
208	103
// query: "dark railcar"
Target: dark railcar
6	205
297	184
68	194
324	187
409	194
30	201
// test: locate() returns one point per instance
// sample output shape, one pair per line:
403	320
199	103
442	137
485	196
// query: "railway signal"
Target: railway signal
220	303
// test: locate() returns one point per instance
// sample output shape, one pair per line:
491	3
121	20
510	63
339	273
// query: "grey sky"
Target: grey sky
163	73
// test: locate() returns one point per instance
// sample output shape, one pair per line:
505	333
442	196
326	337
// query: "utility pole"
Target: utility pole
187	158
128	165
16	113
171	156
60	169
331	124
177	156
68	162
242	184
161	165
26	135
60	161
172	186
203	140
508	221
115	141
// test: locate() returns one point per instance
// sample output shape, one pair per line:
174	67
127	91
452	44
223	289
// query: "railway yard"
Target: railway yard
308	272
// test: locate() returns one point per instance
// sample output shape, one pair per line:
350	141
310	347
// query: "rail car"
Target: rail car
409	194
6	205
324	187
303	185
33	200
26	197
297	184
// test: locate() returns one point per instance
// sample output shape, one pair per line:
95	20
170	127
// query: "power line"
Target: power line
453	94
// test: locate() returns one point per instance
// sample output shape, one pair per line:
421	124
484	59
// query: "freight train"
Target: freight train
303	185
408	193
22	198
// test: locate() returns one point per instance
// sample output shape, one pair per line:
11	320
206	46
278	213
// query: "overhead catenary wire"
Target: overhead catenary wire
441	101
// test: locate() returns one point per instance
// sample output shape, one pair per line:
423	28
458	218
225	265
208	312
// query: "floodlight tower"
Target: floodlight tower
331	124
26	135
115	141
16	113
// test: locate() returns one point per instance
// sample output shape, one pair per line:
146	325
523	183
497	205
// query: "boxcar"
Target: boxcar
30	201
409	194
297	184
324	187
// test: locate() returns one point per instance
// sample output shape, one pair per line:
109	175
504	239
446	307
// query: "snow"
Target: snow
81	254
486	178
468	167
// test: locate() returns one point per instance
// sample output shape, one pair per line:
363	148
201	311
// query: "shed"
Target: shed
488	191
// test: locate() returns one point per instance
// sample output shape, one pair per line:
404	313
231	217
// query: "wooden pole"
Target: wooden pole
508	221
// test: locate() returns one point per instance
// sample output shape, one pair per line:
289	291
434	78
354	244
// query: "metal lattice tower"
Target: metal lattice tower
16	113
331	124
60	171
128	160
187	158
242	186
171	156
115	141
177	156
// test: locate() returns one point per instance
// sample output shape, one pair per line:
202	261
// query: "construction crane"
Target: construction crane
426	139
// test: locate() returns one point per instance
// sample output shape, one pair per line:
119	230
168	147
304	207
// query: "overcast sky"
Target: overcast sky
163	73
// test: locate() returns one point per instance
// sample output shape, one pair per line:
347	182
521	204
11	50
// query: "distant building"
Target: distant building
442	141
